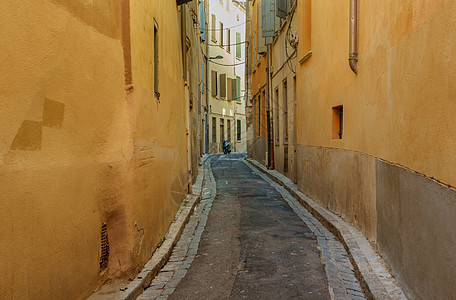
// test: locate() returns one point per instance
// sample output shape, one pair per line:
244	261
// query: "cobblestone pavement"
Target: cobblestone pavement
339	271
186	248
341	276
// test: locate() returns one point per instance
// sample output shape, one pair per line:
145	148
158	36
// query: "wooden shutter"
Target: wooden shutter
213	31
223	85
233	88
229	89
214	83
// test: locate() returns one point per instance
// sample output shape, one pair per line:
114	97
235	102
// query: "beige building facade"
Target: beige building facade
226	72
94	157
378	147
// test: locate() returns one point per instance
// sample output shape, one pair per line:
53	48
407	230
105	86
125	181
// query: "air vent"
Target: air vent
104	258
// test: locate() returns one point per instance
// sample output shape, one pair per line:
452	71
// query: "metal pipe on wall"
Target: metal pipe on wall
353	52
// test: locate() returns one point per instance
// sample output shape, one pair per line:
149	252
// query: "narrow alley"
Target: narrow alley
227	149
245	241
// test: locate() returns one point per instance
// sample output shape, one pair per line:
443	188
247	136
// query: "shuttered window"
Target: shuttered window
233	88
214	83
228	40
213	31
238	88
202	21
238	45
221	34
214	128
229	89
223	85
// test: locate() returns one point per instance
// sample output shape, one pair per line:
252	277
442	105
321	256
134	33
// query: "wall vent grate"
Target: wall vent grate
104	258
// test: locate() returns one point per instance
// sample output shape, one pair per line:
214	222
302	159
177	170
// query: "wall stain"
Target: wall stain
306	167
322	160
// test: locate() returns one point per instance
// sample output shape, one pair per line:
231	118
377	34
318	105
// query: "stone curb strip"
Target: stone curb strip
371	271
161	254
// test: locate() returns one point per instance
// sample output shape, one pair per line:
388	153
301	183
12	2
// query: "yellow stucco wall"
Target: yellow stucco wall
77	150
400	106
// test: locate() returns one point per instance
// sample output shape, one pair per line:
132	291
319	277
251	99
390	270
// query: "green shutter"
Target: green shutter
238	45
238	88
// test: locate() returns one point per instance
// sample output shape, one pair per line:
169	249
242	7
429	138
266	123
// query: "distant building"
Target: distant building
225	89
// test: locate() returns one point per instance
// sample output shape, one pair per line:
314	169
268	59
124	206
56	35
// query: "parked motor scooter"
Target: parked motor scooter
226	146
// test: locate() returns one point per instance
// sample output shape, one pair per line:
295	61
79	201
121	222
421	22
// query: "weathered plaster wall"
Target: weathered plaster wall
84	141
283	71
416	224
64	134
398	109
399	106
343	181
160	166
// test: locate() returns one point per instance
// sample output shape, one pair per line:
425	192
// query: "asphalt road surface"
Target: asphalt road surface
253	246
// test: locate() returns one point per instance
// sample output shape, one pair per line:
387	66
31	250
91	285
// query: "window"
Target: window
259	116
238	89
214	128
222	129
228	128
238	45
239	130
214	83
213	31
254	51
157	94
254	103
276	116
202	79
338	122
228	40
285	113
221	34
223	85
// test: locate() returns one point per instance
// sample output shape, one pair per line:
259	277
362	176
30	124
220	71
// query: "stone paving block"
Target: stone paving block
149	294
167	291
355	293
156	286
170	266
163	276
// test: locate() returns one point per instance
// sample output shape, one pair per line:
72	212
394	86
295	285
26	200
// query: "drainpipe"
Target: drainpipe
269	112
353	52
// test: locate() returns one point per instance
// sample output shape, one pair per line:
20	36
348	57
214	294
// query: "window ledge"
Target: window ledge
305	57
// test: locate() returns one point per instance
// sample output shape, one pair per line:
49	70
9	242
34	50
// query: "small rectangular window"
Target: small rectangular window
221	34
285	112
223	85
238	45
239	133
228	129
238	89
228	40
213	29
222	129
276	116
156	59
338	122
214	83
214	130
